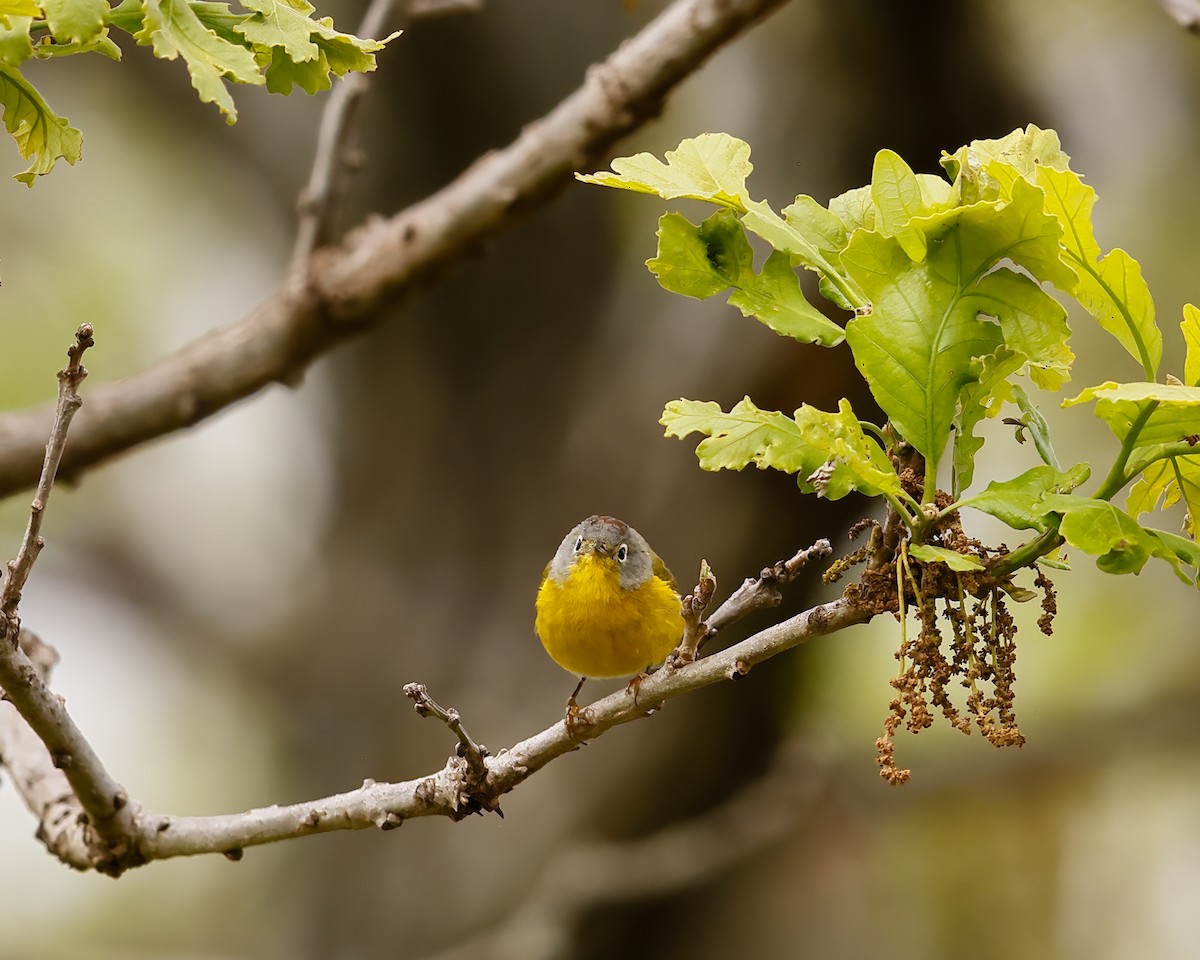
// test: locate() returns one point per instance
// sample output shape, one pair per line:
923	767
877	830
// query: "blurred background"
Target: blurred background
237	607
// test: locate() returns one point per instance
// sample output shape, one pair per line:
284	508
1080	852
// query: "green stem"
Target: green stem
929	492
1117	477
1168	451
1027	553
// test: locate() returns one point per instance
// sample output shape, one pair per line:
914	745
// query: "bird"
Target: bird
607	605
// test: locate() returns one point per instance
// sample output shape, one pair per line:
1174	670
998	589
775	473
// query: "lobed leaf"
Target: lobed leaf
75	21
711	167
829	451
15	45
173	29
1021	501
1109	287
1166	412
1119	543
701	261
41	135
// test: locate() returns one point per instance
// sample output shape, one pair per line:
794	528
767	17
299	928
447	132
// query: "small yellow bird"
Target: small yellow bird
607	606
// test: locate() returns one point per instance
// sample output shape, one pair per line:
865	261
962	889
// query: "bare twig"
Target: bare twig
337	155
473	753
390	257
103	817
69	379
695	629
762	591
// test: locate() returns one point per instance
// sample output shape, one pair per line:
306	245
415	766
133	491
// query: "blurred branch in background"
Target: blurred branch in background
590	874
388	258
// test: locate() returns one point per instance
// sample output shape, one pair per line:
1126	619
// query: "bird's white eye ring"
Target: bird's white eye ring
578	544
622	553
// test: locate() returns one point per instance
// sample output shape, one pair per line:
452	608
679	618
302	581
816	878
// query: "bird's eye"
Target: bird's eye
578	544
622	553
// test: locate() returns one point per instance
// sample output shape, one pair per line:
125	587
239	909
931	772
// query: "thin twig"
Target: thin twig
69	379
390	257
473	753
695	629
763	591
337	155
105	819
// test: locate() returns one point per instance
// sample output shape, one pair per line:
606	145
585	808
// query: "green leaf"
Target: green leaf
1113	537
1110	288
1179	552
916	346
40	133
985	169
1021	501
951	558
743	436
77	21
1036	424
1191	337
173	29
701	261
15	45
17	8
1169	480
821	228
1119	543
855	209
829	451
774	297
1156	483
897	198
1174	410
1034	324
286	25
711	167
803	240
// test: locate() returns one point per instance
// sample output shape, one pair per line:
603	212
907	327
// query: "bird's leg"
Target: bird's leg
573	715
635	684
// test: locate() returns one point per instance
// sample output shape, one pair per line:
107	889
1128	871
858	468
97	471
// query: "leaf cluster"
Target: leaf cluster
955	285
273	43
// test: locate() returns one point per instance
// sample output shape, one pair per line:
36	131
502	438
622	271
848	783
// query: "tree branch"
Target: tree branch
455	791
387	258
102	818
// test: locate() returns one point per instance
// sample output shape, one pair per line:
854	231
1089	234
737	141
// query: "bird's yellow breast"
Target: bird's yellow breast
593	627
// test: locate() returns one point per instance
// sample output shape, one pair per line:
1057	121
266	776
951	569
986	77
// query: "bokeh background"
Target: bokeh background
237	607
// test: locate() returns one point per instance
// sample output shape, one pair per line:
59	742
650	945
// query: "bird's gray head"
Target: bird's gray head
608	539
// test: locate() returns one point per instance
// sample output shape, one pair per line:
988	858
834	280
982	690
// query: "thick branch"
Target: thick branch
387	258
